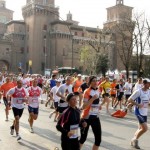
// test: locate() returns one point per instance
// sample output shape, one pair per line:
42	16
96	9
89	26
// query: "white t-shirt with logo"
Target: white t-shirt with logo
138	86
141	97
128	88
65	90
54	90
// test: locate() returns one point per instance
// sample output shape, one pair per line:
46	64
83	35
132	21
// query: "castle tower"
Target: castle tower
37	15
69	16
5	14
119	2
119	14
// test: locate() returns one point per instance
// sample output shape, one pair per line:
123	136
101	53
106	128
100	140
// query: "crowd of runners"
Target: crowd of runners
77	101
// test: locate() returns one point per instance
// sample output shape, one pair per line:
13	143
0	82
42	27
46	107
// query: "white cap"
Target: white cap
146	80
58	80
79	75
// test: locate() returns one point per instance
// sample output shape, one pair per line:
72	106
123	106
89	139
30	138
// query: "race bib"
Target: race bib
94	109
65	104
145	105
107	90
35	100
74	129
19	101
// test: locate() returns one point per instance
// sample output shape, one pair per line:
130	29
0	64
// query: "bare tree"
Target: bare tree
124	41
141	36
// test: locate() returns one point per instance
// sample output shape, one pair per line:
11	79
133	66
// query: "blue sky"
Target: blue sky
90	13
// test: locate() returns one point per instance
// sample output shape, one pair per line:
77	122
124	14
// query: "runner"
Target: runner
62	92
77	83
127	90
4	89
138	84
140	98
113	91
106	85
52	83
19	95
33	106
84	85
24	80
68	125
56	99
91	107
120	93
40	81
1	79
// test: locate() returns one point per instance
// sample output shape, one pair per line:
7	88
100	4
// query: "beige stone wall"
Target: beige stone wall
118	12
2	28
16	28
35	21
5	15
5	54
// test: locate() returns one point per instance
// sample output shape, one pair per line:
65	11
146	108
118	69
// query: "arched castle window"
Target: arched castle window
76	33
22	50
27	49
27	28
44	27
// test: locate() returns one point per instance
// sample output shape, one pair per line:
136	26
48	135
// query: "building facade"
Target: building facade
45	40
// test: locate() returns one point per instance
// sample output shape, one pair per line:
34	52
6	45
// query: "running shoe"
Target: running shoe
12	130
31	130
55	120
18	137
6	119
50	116
134	143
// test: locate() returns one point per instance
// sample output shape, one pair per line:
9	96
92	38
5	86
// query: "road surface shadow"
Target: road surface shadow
31	145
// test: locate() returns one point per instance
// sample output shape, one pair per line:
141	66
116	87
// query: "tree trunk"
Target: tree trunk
127	72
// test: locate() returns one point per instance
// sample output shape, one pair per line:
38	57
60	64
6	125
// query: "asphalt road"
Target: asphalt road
116	135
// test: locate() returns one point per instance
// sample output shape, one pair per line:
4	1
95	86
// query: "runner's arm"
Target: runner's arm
132	99
87	103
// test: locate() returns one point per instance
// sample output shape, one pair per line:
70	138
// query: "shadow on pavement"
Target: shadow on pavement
31	145
44	133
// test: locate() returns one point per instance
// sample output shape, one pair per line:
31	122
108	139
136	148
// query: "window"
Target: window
27	49
27	65
44	37
76	33
27	28
44	49
45	27
44	2
82	34
42	66
22	50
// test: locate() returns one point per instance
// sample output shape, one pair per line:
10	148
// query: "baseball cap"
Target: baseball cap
79	75
146	80
58	80
69	96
